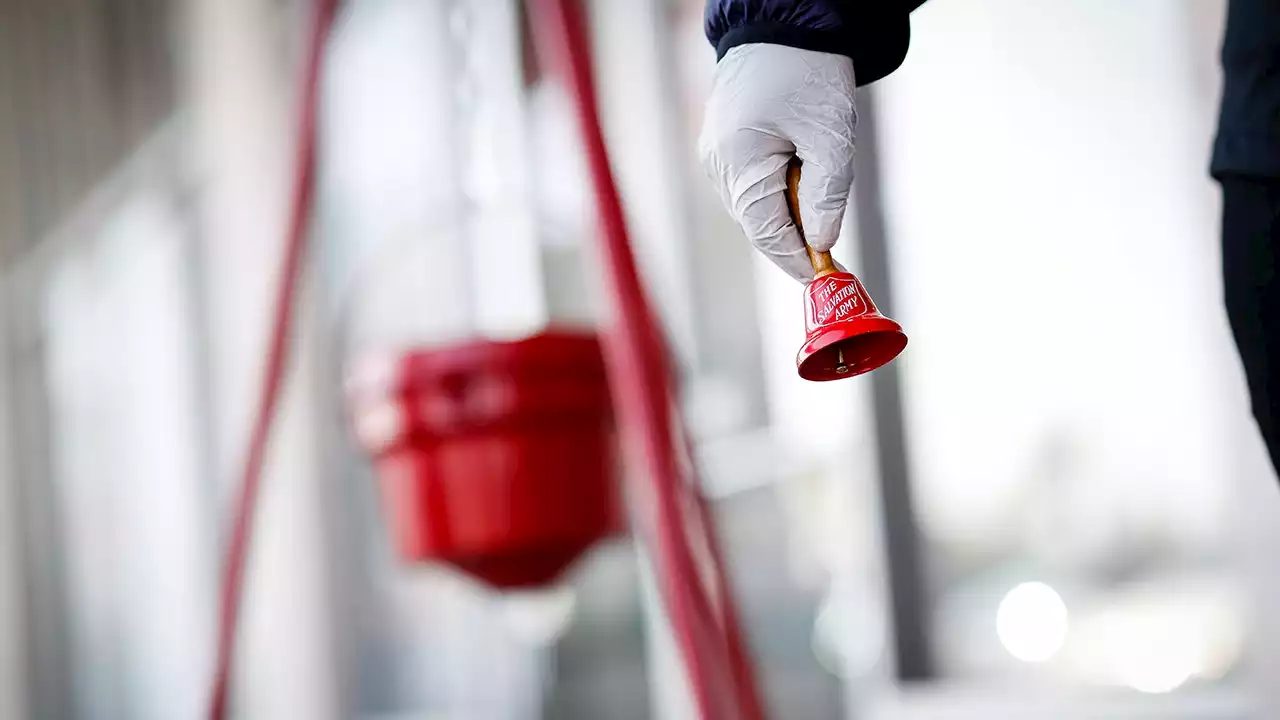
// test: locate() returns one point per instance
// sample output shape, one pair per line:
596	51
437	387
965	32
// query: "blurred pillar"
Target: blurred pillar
13	675
39	655
76	96
13	681
903	563
126	480
242	79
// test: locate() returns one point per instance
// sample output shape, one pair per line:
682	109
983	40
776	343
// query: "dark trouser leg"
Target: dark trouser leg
1251	277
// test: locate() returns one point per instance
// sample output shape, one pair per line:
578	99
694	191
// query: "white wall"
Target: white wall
1054	242
1055	245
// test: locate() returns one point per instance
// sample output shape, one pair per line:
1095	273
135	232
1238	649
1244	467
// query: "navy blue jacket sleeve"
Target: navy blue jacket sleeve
1248	141
875	33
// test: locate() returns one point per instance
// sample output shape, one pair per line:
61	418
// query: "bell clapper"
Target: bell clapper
841	368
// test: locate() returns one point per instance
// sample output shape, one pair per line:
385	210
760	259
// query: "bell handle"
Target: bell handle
820	260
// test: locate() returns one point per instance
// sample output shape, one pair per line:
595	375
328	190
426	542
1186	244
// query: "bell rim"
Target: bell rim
829	335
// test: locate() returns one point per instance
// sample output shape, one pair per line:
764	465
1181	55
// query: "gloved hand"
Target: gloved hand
769	102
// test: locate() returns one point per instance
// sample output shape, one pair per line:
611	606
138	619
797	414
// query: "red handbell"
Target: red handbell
845	335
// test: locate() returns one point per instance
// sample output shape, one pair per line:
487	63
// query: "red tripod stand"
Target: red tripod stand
674	519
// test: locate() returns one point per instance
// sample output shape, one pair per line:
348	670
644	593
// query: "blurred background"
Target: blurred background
1055	505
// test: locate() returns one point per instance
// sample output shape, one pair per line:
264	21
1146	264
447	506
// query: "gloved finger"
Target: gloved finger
826	180
760	204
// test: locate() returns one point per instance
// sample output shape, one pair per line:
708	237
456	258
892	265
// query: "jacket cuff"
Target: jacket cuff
1249	155
828	41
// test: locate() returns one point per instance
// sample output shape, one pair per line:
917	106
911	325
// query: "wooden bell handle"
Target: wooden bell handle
821	261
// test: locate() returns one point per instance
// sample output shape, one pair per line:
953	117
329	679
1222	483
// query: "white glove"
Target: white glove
769	102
